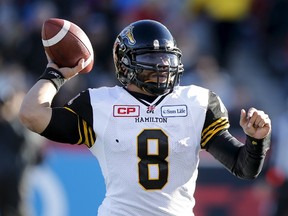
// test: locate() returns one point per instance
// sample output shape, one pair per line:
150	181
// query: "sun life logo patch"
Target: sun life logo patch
174	111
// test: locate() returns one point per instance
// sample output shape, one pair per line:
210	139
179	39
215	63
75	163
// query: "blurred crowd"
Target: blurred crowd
245	41
237	48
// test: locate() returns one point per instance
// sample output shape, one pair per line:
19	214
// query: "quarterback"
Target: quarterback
147	133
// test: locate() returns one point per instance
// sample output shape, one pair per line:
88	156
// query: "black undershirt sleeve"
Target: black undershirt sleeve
243	160
63	126
73	122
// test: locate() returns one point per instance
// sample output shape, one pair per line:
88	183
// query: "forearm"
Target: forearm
244	161
35	112
251	157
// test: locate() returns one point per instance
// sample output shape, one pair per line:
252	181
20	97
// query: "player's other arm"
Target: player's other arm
243	160
35	111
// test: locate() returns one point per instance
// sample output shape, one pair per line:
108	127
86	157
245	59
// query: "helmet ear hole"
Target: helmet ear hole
125	61
122	48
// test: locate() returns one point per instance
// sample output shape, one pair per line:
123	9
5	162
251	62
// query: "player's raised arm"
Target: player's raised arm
35	112
69	47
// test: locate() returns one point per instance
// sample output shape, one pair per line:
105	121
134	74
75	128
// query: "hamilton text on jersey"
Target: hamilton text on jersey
151	119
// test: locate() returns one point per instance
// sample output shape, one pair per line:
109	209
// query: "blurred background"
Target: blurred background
238	48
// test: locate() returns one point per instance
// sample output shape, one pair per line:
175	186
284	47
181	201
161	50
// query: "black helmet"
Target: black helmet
144	45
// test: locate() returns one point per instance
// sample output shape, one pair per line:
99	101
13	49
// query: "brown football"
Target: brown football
66	43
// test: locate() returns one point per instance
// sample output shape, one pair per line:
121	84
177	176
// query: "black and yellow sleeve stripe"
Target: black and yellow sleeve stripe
214	128
87	135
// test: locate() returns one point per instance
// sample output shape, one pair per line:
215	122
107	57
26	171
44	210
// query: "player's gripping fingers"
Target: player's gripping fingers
79	67
48	58
68	73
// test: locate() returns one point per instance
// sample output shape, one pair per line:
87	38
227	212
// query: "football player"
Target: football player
148	132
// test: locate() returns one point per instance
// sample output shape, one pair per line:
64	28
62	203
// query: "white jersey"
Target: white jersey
148	152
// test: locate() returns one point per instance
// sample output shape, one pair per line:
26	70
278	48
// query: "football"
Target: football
66	43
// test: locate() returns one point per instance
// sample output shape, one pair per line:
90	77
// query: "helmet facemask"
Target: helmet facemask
156	72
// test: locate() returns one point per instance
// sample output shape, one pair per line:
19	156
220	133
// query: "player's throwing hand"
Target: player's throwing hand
67	72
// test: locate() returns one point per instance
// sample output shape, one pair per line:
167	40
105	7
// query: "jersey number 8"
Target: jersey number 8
152	153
